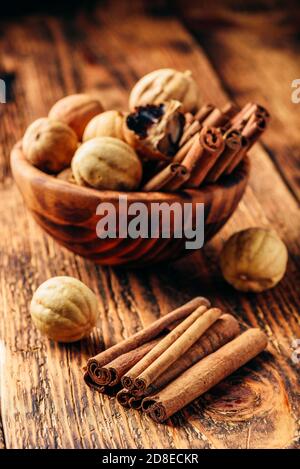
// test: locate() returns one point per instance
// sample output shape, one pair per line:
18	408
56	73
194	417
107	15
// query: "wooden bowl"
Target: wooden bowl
68	213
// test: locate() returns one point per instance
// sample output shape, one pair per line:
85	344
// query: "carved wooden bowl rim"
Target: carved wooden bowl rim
24	170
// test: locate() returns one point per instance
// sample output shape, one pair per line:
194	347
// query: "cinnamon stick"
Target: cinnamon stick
178	181
205	374
135	402
128	381
108	390
191	129
194	125
143	336
111	373
217	118
254	127
230	109
177	349
221	332
242	114
203	154
159	180
123	397
203	112
250	133
233	143
238	157
183	151
241	118
91	383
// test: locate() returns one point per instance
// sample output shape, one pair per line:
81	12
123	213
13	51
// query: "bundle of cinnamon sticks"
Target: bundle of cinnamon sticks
213	144
165	366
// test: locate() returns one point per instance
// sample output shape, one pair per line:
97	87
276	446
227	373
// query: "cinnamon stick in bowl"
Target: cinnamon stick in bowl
203	155
178	181
241	118
251	132
205	374
203	112
169	178
184	149
194	125
233	143
160	179
221	117
216	118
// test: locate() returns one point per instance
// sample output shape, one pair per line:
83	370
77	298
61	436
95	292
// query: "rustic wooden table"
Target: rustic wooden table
44	402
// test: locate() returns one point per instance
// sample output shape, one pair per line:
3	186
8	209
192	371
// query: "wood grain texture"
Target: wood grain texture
44	401
262	43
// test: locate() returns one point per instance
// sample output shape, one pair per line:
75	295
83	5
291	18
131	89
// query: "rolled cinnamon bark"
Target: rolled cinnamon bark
178	181
217	118
241	118
242	114
183	151
91	383
221	332
227	119
202	156
237	158
123	397
254	127
203	112
108	390
177	349
205	374
195	125
161	179
230	109
233	143
250	134
128	381
110	374
135	402
151	332
191	130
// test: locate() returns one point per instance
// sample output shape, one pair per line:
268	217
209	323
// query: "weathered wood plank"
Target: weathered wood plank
256	54
44	402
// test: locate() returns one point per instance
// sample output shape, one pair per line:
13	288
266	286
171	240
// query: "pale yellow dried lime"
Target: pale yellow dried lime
64	309
254	259
107	163
49	144
106	124
76	110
